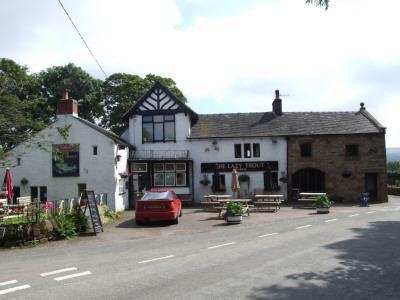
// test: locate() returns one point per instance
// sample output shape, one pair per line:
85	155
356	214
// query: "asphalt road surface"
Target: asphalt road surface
340	255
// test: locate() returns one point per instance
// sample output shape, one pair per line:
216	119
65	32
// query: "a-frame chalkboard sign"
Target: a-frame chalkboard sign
90	199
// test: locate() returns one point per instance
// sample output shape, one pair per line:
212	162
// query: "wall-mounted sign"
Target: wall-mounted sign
65	160
239	166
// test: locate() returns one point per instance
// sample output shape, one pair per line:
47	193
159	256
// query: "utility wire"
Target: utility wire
87	46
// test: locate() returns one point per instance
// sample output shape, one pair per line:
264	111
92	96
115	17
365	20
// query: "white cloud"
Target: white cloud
234	61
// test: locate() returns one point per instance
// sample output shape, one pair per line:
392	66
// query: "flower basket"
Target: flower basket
244	178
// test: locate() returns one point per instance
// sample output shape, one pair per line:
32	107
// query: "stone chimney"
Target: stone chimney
66	106
277	104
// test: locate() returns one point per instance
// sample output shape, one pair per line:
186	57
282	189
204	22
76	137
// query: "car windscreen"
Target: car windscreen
156	196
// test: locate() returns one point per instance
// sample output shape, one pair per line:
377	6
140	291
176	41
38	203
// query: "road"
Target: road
340	255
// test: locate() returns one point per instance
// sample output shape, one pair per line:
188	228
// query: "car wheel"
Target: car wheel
176	221
138	222
180	214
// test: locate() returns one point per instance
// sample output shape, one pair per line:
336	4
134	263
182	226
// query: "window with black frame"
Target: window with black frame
158	128
169	174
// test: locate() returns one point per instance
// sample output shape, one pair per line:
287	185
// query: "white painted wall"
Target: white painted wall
203	151
100	172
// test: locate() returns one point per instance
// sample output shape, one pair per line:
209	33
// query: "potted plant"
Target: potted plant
322	204
205	181
234	212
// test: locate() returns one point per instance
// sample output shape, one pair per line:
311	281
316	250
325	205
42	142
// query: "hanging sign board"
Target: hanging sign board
94	211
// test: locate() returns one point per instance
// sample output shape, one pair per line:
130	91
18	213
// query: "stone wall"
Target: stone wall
329	156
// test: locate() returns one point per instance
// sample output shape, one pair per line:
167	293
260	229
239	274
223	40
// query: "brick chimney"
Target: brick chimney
66	106
277	104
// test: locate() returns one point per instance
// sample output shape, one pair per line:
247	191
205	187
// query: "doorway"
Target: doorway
309	180
371	186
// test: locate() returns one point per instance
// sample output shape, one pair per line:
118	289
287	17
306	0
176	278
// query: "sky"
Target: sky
226	55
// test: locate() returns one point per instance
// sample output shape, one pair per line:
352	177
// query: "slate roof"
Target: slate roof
118	140
289	123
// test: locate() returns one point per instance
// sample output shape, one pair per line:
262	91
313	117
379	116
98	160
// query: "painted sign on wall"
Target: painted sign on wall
65	160
239	166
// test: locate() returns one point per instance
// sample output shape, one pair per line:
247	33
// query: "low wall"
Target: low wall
393	190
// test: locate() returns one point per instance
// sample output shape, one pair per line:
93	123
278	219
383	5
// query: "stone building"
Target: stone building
341	153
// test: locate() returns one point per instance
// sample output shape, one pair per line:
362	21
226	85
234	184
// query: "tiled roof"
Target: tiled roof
118	140
289	123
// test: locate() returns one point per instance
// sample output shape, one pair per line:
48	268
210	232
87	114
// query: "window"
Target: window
81	188
34	192
94	150
218	183
305	150
121	186
169	174
43	194
256	150
238	150
18	161
247	150
139	167
158	128
271	181
352	150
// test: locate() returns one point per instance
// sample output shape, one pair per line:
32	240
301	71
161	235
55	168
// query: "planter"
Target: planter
234	219
323	210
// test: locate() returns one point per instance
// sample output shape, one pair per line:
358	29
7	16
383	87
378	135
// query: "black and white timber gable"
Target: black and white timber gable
159	100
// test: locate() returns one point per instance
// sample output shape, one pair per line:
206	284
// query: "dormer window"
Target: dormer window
158	128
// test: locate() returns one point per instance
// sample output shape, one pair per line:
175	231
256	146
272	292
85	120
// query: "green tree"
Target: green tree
20	104
324	3
121	91
393	167
80	85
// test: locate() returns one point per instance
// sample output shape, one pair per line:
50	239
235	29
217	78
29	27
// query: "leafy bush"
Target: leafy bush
65	226
322	201
234	209
107	214
80	220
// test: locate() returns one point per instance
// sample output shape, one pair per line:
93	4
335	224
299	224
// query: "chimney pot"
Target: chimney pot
65	95
362	106
277	104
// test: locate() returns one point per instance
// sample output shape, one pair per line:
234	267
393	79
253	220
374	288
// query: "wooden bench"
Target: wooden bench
306	200
222	209
210	205
267	205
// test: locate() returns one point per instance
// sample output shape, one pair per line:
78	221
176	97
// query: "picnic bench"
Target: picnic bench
267	202
223	202
211	202
306	200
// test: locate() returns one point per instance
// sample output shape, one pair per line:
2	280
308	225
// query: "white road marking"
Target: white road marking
58	271
269	234
72	276
222	245
154	259
14	289
371	212
305	226
330	220
8	282
355	215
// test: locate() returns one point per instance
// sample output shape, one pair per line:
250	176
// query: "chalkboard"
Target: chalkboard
94	211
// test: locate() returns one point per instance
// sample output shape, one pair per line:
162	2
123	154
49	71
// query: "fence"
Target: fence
30	212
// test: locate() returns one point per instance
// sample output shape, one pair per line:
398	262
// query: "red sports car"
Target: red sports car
158	205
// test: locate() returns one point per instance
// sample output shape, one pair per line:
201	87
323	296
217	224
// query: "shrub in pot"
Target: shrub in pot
322	204
234	212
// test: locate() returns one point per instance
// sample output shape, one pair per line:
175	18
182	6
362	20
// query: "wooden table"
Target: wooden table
211	202
307	200
223	203
268	202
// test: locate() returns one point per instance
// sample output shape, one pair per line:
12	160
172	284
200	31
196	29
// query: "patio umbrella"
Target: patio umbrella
7	187
235	182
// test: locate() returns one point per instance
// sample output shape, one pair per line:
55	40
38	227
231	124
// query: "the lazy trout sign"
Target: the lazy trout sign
239	166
